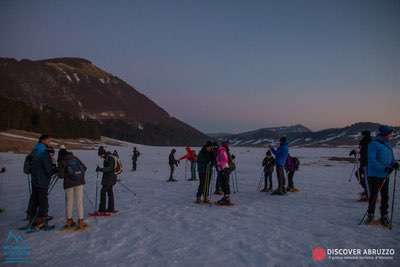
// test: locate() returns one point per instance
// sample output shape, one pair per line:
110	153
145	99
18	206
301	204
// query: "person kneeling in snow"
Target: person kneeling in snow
108	181
381	164
72	170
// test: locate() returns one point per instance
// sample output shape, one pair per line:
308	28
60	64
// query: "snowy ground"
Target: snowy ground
162	226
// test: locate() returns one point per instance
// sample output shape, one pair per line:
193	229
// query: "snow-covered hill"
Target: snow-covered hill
161	226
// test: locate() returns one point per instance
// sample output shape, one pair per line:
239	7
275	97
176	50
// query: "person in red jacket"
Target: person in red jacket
192	158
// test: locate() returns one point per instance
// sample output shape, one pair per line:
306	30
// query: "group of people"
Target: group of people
282	161
375	157
376	164
44	171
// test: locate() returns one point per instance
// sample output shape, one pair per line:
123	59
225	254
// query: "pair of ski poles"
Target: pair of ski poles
354	170
393	199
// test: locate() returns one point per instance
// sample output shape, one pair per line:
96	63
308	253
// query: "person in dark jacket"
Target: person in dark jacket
291	166
269	166
362	170
281	154
108	181
135	156
172	164
72	170
204	168
381	164
42	169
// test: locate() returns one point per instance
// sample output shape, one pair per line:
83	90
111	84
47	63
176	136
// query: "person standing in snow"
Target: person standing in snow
204	168
72	170
135	156
269	165
42	169
61	154
291	166
172	164
362	170
223	170
108	181
381	164
281	154
191	157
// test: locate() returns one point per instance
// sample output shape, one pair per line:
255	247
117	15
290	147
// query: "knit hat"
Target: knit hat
385	130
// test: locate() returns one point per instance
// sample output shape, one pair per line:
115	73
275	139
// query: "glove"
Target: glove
353	153
395	165
389	170
98	169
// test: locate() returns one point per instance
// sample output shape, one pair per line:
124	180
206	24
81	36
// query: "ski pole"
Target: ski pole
236	181
376	197
205	186
393	196
353	171
53	184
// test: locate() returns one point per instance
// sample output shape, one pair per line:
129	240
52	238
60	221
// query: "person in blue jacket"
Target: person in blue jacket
281	154
381	164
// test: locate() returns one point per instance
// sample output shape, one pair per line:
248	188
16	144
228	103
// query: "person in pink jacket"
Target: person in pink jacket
223	170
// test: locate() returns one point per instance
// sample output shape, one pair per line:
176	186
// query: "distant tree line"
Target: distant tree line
18	115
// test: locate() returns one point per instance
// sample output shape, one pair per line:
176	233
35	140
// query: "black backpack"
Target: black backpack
75	170
28	164
296	163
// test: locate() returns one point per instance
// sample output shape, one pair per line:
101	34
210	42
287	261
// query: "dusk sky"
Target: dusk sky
229	66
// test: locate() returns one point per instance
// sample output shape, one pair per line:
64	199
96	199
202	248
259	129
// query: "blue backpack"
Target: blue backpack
75	169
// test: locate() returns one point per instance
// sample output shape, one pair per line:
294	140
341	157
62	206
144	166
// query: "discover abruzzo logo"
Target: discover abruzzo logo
320	254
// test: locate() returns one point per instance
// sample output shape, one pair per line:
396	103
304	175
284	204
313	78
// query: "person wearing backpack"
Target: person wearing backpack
281	154
108	181
72	170
269	165
204	168
172	164
291	166
41	170
135	156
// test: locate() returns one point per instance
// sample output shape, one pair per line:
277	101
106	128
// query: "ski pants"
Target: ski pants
218	182
268	177
204	185
134	165
106	190
362	175
40	202
280	173
224	176
193	169
171	173
374	184
290	179
71	194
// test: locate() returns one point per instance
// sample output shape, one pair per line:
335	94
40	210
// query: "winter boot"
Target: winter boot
217	192
264	190
385	221
225	201
206	201
369	219
81	224
69	224
198	200
40	222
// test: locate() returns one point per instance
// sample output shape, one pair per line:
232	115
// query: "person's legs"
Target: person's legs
78	191
34	203
43	203
384	198
373	185
225	183
218	182
265	181
280	175
103	192
69	202
134	165
193	169
110	194
270	180
290	180
201	188
171	175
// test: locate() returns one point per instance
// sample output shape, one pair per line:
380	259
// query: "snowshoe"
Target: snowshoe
369	219
70	224
44	227
81	225
385	221
100	214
